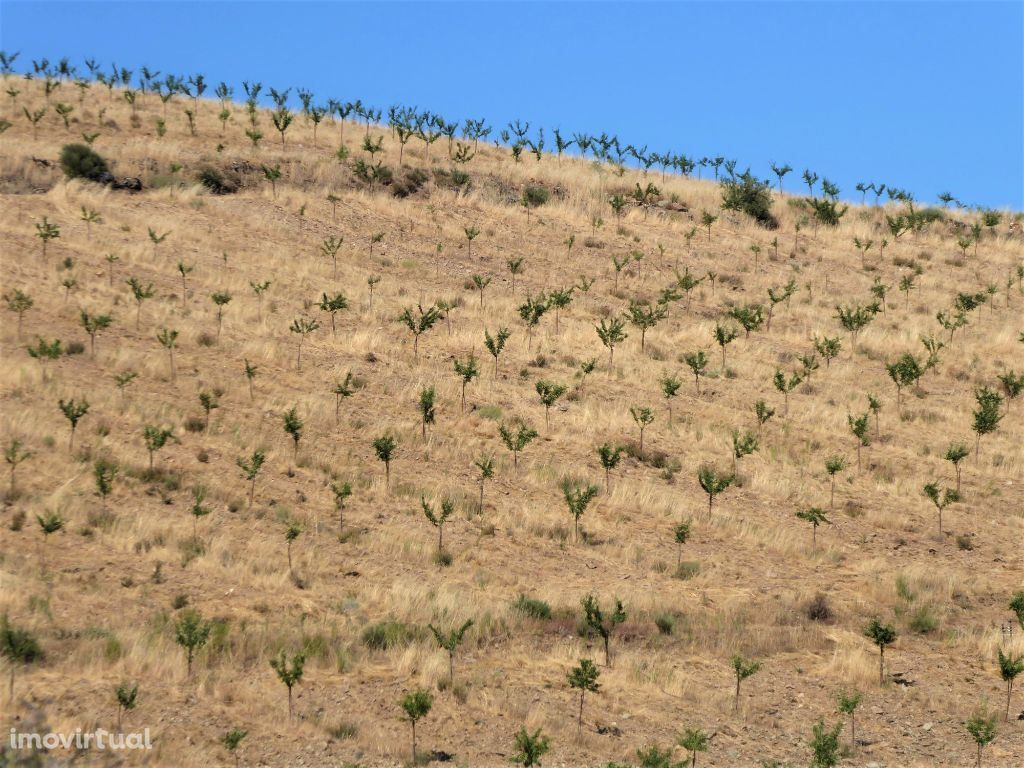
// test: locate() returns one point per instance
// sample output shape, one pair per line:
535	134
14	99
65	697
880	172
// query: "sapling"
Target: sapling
250	469
104	471
724	336
293	426
126	695
828	348
707	219
155	438
577	498
515	267
941	498
169	340
988	415
342	390
763	413
73	411
289	673
191	632
881	635
559	299
595	619
815	517
292	531
982	728
611	332
645	317
847	703
17	646
232	740
221	299
643	417
303	326
530	747
785	386
549	392
14	454
416	706
384	447
609	456
45	351
713	483
419	324
1009	667
955	454
46	231
329	248
427	408
825	745
670	388
749	316
1013	385
485	465
743	444
743	669
698	362
516	438
450	641
859	427
531	312
90	217
156	239
19	303
681	533
693	740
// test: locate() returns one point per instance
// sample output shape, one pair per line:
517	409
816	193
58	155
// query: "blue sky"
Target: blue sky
928	96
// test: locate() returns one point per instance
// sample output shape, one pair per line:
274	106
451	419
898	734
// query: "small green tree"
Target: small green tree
73	411
828	348
611	332
419	324
169	340
577	498
140	293
847	703
595	619
127	696
467	370
495	344
250	470
208	401
713	483
46	231
293	426
516	438
724	336
530	747
303	326
609	456
693	740
19	303
232	740
988	415
437	519
19	647
1017	606
644	317
941	498
384	446
742	669
549	392
583	678
834	465
416	706
155	438
450	641
191	632
825	745
743	444
955	454
14	454
815	517
698	363
763	413
785	386
982	727
881	635
49	523
859	428
707	219
1009	667
289	673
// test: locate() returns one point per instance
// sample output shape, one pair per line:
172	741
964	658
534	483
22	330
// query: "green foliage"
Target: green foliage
713	482
191	632
535	609
825	745
577	498
595	619
79	161
516	438
530	747
753	197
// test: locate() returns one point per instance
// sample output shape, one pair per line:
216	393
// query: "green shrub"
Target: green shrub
665	622
535	609
535	196
750	196
385	635
923	621
216	182
79	161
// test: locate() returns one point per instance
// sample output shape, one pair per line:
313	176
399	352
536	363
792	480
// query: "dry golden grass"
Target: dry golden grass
102	616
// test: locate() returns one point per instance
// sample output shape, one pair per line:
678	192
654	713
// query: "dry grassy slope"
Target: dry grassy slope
103	618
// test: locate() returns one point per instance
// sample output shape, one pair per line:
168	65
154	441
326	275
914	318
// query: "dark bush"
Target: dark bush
750	196
79	161
390	634
819	609
216	182
535	609
535	196
410	183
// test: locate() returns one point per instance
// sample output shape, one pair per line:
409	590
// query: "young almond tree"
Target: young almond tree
743	669
438	519
531	312
486	467
419	324
19	303
763	413
828	348
707	219
1010	667
466	370
450	641
530	747
19	647
982	728
416	706
988	415
749	316
303	326
859	428
694	740
496	344
670	388
713	483
341	493
516	438
643	417
940	498
232	740
515	267
73	411
595	619
583	678
881	635
785	386
611	332
289	673
126	695
1013	385
140	293
549	393
197	509
609	455
49	523
14	454
825	745
293	426
724	336
955	454
250	470
815	517
577	498
834	465
93	324
168	339
155	439
191	632
384	447
644	317
743	444
698	362
847	703
46	231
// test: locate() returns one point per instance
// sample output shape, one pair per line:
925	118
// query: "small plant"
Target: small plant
168	339
643	417
466	370
231	740
825	745
155	438
549	393
19	647
303	326
1009	667
384	447
742	668
833	466
73	411
46	231
191	632
450	641
595	619
982	728
941	498
420	323
713	482
847	703
496	344
881	635
416	706
516	438
815	517
530	747
250	470
127	696
611	332
577	498
693	740
14	454
583	678
289	673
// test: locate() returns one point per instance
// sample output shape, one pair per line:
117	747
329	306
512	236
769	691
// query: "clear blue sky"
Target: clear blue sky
928	96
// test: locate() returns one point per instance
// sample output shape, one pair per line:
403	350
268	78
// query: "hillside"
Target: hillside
103	595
